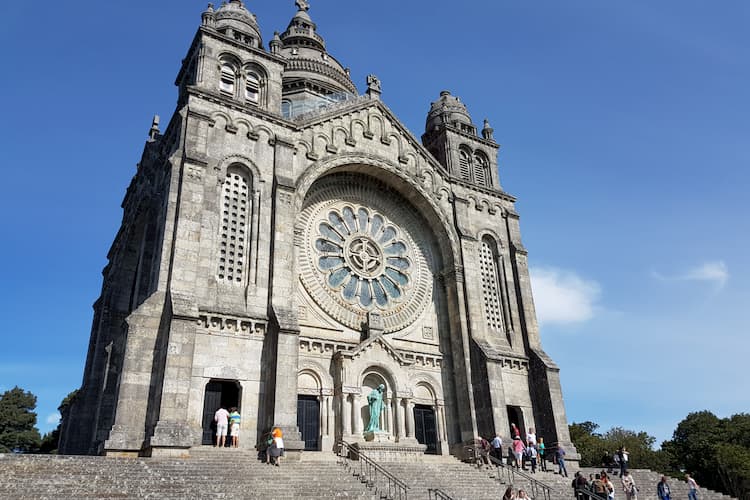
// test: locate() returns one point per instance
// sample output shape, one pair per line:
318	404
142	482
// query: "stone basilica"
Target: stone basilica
287	245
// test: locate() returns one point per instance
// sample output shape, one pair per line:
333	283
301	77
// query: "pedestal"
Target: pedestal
388	451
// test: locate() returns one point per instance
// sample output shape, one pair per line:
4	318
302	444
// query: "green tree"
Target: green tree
694	445
18	421
733	463
588	442
51	439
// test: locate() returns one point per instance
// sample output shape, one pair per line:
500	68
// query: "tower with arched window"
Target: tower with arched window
288	248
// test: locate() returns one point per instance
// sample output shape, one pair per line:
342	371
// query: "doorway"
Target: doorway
308	421
515	416
219	394
425	427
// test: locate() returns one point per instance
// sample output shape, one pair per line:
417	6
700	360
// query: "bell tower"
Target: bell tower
451	136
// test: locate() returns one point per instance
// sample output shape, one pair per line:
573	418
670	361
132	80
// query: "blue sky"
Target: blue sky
624	129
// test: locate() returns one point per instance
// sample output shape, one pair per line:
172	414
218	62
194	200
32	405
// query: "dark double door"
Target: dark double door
425	427
308	421
218	395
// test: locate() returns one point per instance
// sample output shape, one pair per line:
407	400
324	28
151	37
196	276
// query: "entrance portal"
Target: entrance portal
308	421
515	416
425	428
219	394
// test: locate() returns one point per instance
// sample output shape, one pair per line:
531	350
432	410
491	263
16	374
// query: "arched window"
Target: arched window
481	169
236	207
464	165
228	78
252	87
491	291
286	108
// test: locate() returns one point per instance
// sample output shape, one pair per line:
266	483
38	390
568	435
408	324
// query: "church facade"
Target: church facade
287	246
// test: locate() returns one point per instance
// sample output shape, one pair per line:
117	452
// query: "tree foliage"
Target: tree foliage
51	439
18	430
593	446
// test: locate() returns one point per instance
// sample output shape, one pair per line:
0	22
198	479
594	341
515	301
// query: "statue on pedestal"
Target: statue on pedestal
375	400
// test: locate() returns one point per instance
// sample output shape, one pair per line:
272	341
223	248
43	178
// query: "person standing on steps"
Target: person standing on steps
531	437
662	489
234	426
277	448
560	456
629	487
518	451
692	487
497	447
221	417
540	448
623	456
609	485
531	453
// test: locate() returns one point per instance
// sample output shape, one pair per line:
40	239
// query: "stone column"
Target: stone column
387	416
323	414
409	418
401	418
346	415
356	419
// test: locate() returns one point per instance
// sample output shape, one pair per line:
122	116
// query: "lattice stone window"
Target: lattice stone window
490	285
233	232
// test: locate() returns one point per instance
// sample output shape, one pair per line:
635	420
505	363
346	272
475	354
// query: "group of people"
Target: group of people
602	487
513	495
227	421
531	451
616	460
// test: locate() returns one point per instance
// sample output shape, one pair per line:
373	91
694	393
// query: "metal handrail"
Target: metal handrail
438	494
369	472
539	490
583	493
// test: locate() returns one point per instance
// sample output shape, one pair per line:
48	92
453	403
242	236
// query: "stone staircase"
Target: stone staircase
646	481
208	473
229	474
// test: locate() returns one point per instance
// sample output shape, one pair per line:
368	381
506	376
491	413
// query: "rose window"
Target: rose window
363	256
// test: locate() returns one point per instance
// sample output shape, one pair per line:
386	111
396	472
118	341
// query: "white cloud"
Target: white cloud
53	418
562	296
715	272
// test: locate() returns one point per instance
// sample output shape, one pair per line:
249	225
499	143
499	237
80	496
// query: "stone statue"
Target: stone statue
375	400
303	5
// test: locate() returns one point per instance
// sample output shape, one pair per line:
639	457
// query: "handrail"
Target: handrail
373	475
438	494
539	490
583	493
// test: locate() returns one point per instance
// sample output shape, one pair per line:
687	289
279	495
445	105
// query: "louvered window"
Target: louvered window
228	77
481	170
464	164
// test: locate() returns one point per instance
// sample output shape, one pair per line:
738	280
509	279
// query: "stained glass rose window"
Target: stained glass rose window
363	256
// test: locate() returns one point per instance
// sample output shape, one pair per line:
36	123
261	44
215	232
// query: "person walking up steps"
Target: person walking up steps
234	426
629	487
221	417
692	487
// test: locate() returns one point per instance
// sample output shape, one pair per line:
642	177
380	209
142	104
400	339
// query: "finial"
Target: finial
487	131
302	4
154	132
373	87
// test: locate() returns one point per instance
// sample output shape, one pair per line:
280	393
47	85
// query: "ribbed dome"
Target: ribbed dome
305	51
447	109
234	15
